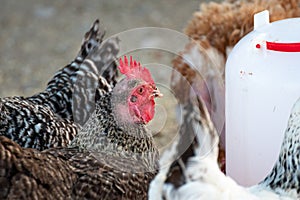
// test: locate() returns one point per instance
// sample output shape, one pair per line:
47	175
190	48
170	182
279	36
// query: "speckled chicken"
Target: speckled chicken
51	118
112	157
200	174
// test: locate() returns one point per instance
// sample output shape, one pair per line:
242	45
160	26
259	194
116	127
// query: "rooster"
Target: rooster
214	30
200	174
112	157
52	118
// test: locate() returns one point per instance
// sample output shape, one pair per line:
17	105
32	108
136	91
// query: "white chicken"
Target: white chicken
201	177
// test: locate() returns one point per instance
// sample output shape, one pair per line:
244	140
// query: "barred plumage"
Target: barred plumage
51	118
58	94
111	157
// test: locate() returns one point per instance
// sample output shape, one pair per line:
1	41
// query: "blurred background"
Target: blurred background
39	37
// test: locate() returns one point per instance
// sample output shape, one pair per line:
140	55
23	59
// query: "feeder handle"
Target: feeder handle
283	47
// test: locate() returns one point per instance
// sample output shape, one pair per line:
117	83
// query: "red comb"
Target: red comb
135	70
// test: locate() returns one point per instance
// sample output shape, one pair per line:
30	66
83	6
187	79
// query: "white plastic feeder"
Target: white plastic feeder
262	84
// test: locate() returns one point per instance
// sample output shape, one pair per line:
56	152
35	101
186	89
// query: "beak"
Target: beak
156	93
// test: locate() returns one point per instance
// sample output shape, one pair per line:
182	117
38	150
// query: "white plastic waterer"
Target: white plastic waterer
262	84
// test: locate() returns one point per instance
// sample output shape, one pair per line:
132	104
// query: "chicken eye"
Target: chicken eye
133	98
141	90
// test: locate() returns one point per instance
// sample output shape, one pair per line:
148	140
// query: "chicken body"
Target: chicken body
201	177
108	164
112	157
52	118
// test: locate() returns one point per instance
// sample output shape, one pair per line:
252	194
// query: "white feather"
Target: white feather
204	180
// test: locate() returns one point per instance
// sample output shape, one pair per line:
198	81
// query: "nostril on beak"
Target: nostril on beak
156	93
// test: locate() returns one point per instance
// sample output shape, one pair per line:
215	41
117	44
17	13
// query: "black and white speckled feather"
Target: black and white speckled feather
33	125
51	118
285	175
76	82
108	159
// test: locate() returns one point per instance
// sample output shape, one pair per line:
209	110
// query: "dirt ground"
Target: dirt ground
39	37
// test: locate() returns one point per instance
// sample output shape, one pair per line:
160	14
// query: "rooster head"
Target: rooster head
141	91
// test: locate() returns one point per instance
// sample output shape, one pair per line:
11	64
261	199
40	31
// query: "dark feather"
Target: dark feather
52	118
